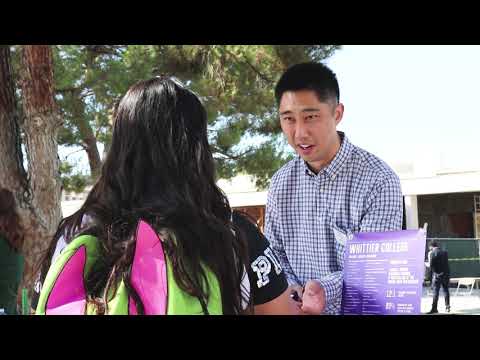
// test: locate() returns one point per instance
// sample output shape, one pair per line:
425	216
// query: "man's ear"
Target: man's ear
338	113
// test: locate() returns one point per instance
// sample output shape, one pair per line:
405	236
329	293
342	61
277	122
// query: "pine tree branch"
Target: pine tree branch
244	60
73	152
217	150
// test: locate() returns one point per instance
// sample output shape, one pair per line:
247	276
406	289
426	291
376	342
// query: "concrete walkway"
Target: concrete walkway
459	305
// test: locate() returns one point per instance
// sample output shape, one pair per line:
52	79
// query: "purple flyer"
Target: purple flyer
383	273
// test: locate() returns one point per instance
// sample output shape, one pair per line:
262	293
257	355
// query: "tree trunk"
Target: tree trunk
87	135
41	126
12	174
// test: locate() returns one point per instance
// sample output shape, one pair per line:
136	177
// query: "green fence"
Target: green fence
463	255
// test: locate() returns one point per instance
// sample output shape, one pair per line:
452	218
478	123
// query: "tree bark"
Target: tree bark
41	125
87	135
12	174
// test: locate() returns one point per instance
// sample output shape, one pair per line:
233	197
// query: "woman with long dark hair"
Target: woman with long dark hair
159	174
11	260
160	169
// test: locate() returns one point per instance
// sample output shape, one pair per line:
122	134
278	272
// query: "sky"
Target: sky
415	107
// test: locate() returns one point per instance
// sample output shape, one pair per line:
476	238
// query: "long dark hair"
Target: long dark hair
10	226
160	168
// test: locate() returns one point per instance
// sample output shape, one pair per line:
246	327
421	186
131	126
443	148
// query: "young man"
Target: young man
332	186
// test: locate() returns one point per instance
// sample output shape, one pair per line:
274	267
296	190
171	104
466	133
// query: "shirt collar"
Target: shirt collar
332	169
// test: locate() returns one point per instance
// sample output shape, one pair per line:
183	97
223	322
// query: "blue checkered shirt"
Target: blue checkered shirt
356	192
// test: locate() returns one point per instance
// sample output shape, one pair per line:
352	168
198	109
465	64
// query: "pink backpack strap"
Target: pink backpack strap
149	272
68	295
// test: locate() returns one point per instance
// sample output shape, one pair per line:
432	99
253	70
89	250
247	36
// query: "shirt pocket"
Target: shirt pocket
341	236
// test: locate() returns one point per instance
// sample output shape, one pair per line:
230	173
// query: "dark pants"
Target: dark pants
437	282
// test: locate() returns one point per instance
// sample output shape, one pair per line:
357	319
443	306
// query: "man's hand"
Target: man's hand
298	289
314	298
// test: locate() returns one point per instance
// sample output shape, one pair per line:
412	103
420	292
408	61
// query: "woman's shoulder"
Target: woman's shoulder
247	224
5	248
9	257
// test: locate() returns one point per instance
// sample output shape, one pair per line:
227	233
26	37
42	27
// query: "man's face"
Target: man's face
310	126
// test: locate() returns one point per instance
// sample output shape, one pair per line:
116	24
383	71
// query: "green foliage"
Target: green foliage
235	83
263	161
72	181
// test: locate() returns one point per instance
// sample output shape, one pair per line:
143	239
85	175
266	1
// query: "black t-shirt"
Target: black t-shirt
266	277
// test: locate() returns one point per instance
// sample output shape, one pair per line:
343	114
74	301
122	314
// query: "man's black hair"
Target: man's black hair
309	76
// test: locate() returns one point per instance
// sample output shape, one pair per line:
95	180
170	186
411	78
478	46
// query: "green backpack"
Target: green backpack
64	293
